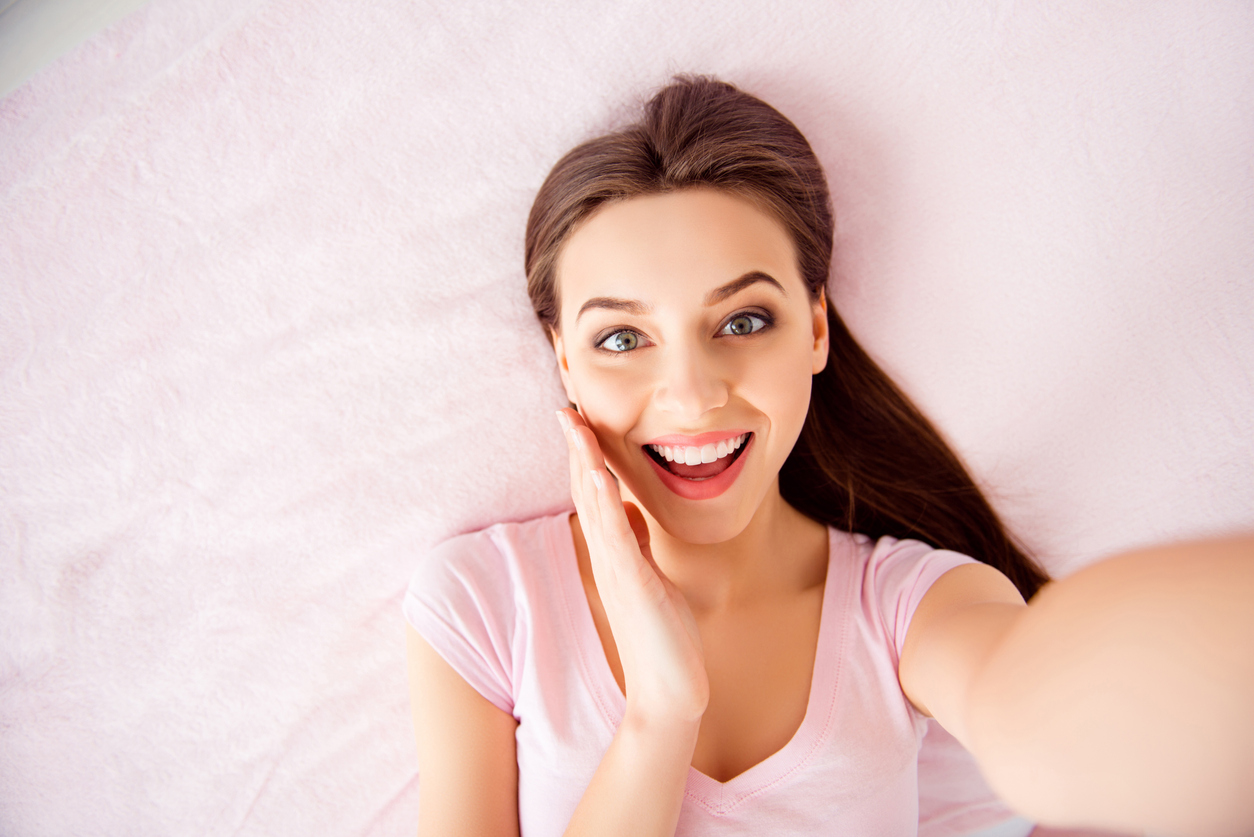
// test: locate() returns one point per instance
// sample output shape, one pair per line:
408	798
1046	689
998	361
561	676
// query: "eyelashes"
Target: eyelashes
621	341
617	341
744	323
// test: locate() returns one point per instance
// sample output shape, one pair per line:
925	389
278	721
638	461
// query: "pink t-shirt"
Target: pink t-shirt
507	609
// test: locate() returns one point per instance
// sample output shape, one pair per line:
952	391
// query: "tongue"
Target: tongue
700	472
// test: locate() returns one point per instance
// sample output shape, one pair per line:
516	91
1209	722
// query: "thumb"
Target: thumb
638	526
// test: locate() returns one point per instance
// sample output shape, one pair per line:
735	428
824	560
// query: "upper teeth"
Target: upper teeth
688	455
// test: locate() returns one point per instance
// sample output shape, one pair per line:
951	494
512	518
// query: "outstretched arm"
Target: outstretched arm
1118	698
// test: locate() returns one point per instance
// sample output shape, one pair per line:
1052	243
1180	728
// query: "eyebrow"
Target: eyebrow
737	285
635	306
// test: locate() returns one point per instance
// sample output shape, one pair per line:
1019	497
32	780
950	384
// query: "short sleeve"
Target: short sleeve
953	796
461	601
899	574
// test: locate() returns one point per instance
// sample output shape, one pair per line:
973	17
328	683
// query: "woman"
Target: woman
706	646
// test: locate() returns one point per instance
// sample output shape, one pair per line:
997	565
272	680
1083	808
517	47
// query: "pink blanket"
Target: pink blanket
264	336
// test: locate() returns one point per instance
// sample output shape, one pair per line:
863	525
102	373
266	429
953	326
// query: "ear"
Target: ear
563	365
819	316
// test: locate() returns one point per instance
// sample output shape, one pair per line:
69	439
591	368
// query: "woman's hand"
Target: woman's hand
653	627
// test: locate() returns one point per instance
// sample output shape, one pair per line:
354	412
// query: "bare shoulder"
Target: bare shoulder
961	587
959	621
466	752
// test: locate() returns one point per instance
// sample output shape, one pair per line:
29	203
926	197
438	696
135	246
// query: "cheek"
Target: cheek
608	401
779	385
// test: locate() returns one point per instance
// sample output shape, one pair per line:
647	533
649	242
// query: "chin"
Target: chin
698	522
701	528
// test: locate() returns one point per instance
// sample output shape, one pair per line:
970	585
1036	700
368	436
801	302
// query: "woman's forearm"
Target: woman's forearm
639	786
1122	696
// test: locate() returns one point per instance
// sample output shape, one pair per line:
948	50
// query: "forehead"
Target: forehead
672	245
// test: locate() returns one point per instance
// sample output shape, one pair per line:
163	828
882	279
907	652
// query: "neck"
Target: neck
780	552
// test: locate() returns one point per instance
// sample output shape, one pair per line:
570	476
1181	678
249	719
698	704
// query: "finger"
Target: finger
640	529
577	471
587	470
626	540
613	541
589	449
602	551
582	491
568	418
573	421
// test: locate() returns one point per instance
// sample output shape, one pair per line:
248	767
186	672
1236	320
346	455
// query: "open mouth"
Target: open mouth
699	463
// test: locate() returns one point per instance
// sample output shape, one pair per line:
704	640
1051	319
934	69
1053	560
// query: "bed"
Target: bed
264	336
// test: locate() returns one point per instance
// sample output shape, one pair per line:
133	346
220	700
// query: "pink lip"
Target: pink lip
711	438
701	489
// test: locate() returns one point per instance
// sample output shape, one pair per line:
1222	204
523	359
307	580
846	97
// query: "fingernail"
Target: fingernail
563	419
598	479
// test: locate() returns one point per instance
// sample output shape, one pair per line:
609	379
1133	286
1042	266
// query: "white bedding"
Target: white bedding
264	336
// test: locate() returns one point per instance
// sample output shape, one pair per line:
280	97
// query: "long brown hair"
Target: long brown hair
867	460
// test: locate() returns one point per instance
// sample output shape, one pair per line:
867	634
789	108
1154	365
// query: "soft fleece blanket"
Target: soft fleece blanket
264	337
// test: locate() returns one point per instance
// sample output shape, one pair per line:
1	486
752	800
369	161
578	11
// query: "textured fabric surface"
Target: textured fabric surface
264	337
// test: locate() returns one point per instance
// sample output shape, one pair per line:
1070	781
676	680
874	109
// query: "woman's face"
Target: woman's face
687	341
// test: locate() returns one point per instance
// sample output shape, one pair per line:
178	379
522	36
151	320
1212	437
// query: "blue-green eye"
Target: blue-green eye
621	341
744	324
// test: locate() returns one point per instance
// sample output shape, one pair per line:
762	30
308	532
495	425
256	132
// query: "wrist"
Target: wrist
670	730
673	710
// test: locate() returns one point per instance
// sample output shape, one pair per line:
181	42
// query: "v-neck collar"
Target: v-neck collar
717	797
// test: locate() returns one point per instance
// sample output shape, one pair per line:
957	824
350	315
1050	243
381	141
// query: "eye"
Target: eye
620	341
745	324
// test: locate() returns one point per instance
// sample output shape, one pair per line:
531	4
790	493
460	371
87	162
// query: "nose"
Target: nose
690	383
